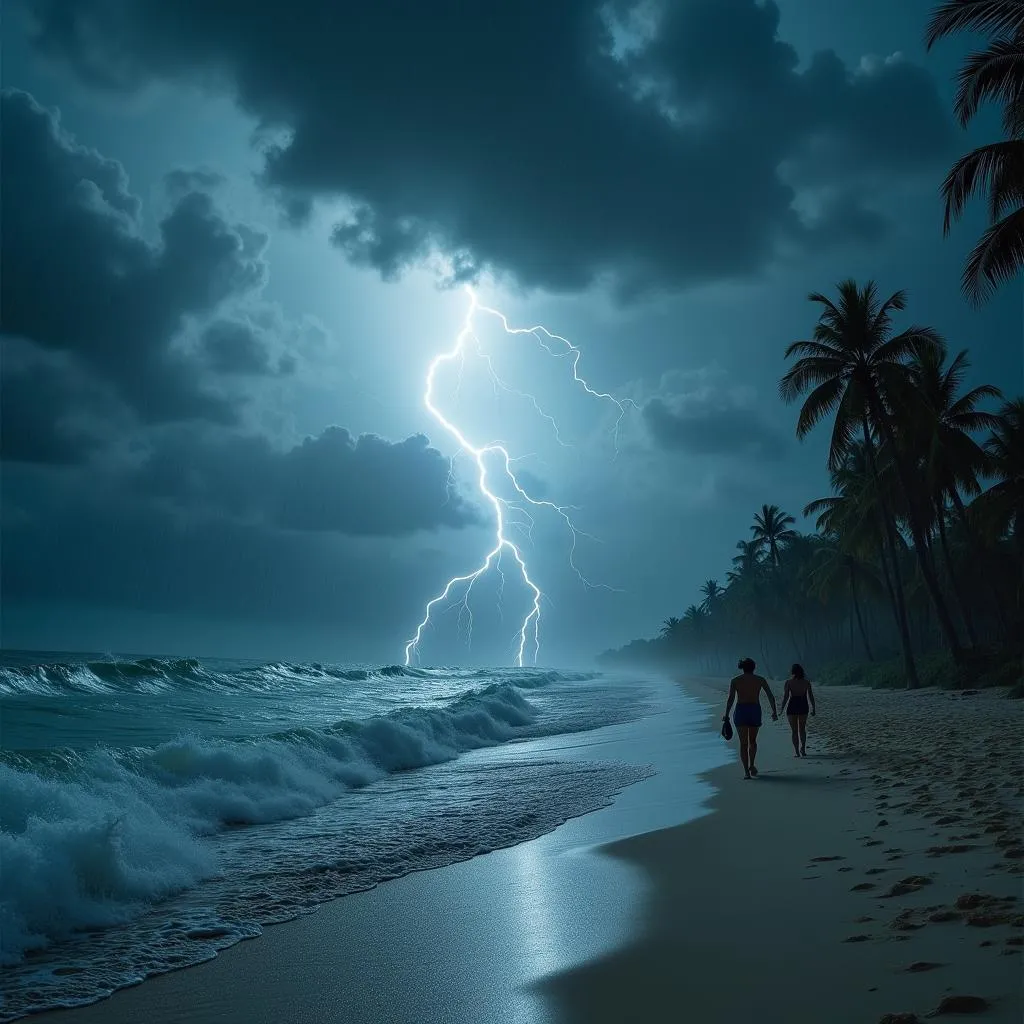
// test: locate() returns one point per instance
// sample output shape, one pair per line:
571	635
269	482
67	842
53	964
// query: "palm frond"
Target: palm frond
914	341
807	374
998	257
814	348
844	430
818	404
990	17
997	168
990	74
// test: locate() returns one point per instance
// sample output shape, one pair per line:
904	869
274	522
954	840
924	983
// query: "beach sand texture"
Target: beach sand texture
879	879
831	889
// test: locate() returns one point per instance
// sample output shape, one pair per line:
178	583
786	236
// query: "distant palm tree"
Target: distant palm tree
670	626
855	368
712	594
993	73
951	458
772	531
747	563
1002	505
837	566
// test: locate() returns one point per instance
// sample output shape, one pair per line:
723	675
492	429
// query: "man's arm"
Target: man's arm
771	696
810	697
732	697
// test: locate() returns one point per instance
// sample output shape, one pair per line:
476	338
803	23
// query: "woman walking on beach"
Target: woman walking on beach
797	693
745	690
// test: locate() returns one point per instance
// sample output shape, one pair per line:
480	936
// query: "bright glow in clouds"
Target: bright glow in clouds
529	631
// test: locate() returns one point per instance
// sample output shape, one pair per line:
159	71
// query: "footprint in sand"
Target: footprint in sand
858	938
819	860
912	883
919	966
863	887
960	1004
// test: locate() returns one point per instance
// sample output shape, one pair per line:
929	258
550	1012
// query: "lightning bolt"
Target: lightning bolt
555	345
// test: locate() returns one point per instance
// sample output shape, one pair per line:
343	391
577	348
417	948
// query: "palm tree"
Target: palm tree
952	460
854	516
712	594
835	566
993	73
772	531
747	564
670	626
1002	505
854	367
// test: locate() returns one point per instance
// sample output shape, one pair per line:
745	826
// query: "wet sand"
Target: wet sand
832	889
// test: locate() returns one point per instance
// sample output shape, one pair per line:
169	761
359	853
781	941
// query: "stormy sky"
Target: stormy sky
235	235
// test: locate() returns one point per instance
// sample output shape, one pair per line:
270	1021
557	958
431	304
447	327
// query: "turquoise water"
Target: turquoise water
154	810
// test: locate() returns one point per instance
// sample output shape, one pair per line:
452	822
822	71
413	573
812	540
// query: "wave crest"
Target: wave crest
92	839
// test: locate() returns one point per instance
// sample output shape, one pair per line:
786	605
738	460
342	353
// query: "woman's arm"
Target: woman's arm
785	697
810	697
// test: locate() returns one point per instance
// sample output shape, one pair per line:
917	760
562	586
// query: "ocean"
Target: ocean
154	811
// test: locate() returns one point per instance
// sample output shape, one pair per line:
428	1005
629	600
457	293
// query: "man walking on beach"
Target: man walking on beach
745	690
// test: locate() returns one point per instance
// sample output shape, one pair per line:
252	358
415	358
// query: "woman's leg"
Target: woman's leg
802	720
744	749
752	748
795	737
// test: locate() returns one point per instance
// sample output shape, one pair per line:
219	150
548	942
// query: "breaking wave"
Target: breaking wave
88	838
158	675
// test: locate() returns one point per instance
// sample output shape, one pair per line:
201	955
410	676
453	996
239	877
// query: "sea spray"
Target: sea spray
180	847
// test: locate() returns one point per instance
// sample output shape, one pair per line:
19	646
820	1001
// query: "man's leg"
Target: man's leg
752	749
744	750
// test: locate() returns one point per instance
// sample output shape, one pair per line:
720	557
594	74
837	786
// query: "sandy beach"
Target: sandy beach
879	876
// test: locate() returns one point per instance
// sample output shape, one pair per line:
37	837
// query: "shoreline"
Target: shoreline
621	914
802	911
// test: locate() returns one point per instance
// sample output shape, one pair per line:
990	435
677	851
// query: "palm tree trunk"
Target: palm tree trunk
954	582
917	532
894	585
979	554
860	620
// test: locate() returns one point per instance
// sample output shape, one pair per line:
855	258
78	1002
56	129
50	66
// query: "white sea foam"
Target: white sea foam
100	836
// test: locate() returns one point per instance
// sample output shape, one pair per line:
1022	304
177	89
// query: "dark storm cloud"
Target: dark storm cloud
79	279
533	137
364	486
710	420
68	544
236	346
181	181
50	410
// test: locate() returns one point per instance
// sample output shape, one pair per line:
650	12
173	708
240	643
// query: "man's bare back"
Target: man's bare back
748	688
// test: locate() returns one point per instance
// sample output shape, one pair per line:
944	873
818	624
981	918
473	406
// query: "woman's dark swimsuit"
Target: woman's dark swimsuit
797	706
747	716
